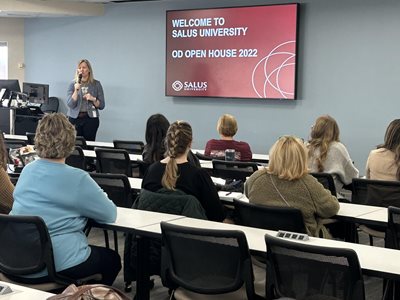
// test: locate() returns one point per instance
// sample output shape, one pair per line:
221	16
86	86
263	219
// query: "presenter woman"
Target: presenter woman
84	99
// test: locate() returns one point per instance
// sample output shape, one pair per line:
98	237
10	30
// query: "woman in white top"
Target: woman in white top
384	162
327	154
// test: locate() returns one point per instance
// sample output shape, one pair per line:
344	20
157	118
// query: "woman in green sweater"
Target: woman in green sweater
286	182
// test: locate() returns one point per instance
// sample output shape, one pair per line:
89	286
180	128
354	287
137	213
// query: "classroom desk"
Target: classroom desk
374	261
23	293
378	217
15	137
131	220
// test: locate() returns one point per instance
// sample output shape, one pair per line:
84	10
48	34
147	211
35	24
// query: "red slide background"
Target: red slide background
271	30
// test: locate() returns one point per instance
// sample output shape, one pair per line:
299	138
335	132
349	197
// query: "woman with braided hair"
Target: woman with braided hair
174	172
327	154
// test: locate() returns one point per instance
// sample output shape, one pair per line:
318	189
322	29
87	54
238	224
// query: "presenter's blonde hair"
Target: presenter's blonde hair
55	136
227	125
91	75
288	158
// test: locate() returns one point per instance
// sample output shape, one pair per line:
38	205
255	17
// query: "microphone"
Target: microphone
80	78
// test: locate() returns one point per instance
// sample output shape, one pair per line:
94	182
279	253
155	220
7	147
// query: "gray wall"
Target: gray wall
349	67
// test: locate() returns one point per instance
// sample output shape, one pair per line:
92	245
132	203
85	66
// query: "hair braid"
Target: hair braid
177	141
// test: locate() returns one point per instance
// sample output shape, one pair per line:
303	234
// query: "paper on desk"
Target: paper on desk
218	180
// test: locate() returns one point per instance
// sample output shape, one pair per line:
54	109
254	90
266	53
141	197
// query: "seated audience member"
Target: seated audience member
6	187
384	162
173	185
286	182
327	154
227	128
175	172
65	197
154	150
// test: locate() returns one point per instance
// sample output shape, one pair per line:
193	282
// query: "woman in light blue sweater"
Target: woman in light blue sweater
65	197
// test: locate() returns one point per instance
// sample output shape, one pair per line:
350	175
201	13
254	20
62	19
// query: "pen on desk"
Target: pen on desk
228	193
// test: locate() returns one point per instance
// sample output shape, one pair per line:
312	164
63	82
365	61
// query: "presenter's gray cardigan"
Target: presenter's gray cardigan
95	89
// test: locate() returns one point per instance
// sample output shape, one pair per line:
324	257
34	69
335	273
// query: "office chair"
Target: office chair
31	138
203	157
377	193
114	161
81	142
133	147
118	189
26	249
233	169
204	261
77	159
392	240
269	217
304	271
51	106
326	180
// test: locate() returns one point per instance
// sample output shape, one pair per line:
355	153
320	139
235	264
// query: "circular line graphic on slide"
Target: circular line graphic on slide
267	75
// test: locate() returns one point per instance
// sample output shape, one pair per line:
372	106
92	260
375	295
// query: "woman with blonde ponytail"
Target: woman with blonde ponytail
174	172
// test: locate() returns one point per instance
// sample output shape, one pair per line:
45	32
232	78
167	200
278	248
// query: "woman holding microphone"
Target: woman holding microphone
84	99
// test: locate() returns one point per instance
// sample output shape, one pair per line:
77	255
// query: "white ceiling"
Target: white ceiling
54	8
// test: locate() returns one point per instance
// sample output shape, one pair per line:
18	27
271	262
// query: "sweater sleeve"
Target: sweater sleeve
70	102
6	192
94	202
209	198
345	168
100	95
325	204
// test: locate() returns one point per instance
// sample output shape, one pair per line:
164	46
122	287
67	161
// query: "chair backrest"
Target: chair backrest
81	142
114	161
269	217
76	159
392	238
376	192
133	147
51	106
116	186
233	169
31	138
25	246
205	261
203	157
327	181
304	271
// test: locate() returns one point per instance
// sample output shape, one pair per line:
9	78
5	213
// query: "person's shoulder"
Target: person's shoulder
242	144
212	141
338	146
258	175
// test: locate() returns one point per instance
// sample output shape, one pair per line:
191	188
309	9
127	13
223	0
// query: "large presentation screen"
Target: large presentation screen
240	52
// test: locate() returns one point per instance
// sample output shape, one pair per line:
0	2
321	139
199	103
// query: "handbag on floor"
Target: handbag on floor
89	292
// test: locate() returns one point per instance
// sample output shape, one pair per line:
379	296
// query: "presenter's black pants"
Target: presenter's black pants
85	126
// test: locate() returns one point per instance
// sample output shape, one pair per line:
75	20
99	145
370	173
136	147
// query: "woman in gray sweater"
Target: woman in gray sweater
286	183
327	154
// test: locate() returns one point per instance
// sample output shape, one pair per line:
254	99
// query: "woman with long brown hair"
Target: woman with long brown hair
384	162
327	154
6	187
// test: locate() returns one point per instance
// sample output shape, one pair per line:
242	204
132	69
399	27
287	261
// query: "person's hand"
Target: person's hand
77	86
89	97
